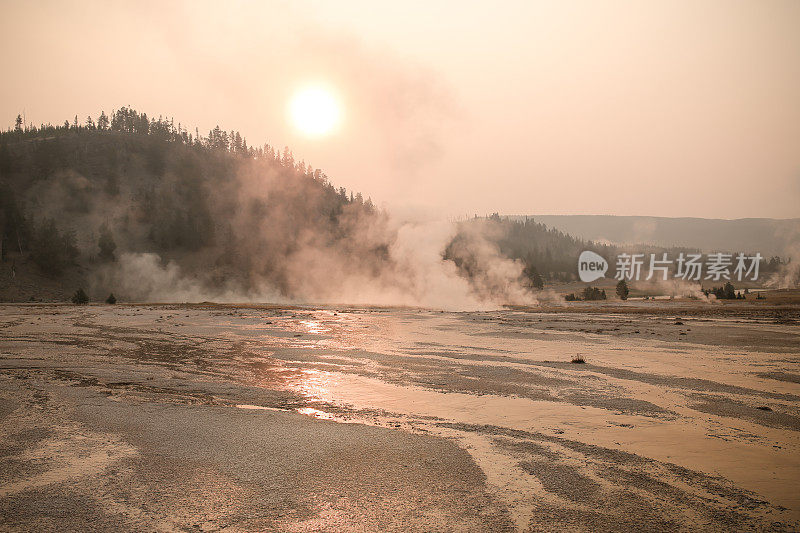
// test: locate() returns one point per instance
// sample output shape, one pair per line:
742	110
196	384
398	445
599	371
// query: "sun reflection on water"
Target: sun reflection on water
314	326
314	385
316	413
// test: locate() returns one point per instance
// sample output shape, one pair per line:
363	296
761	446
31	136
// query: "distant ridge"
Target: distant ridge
766	235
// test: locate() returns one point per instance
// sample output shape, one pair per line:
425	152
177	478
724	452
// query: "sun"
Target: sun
314	111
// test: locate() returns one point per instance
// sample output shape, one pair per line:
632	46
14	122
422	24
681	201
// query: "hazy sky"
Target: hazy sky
672	108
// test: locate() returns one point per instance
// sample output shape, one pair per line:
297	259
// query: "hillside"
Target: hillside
142	208
100	203
768	236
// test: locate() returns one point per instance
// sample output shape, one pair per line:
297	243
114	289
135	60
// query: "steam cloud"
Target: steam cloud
273	244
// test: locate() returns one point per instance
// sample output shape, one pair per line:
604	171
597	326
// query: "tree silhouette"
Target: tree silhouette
102	121
533	276
622	290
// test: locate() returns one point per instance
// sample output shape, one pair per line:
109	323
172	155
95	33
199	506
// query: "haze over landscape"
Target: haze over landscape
658	108
769	236
426	266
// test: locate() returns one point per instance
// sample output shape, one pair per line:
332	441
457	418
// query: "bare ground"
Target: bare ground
235	418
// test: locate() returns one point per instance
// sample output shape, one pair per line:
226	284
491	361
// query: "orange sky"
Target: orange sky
672	108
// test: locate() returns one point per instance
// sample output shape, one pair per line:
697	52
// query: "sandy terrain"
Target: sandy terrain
179	417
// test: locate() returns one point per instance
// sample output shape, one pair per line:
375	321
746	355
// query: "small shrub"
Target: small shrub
593	293
726	292
111	299
578	360
80	298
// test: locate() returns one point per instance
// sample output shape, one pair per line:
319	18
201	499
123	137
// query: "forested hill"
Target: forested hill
765	235
547	254
144	208
75	198
152	212
550	255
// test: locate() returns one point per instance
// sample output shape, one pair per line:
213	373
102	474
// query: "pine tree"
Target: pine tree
102	121
288	158
533	276
622	290
729	291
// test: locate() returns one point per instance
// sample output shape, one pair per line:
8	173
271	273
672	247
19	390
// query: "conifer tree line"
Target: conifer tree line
128	120
85	192
157	186
549	255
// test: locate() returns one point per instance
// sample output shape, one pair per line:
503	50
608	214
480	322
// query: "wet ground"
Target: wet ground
336	419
